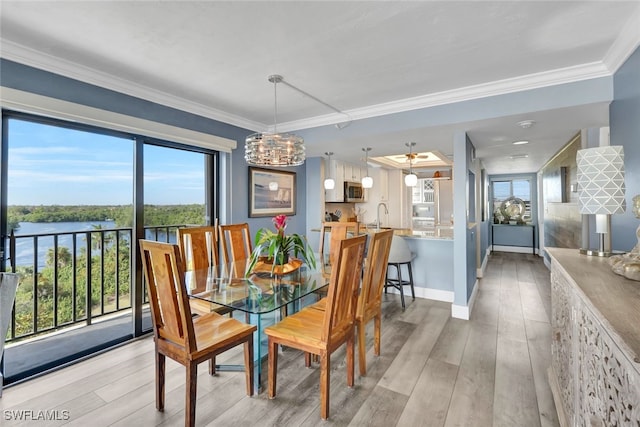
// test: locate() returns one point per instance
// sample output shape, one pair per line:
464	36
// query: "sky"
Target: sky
52	165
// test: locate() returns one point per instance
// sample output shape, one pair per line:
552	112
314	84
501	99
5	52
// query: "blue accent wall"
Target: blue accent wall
624	124
240	196
433	266
464	232
484	239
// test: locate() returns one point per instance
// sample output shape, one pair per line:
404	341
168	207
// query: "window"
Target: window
69	200
501	190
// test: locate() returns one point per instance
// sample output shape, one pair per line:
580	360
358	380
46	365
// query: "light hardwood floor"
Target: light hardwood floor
433	371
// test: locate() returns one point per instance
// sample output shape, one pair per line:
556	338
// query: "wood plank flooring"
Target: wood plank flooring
433	371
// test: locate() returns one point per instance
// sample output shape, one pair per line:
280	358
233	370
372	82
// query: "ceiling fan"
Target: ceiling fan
413	156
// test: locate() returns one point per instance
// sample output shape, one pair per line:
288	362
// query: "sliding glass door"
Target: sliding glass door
67	223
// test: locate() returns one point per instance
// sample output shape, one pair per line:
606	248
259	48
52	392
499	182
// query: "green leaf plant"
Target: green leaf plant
277	246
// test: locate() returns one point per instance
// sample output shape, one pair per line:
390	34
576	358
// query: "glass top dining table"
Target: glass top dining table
265	299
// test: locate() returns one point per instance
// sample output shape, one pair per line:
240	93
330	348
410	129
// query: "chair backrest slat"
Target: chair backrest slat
375	272
198	247
342	296
236	242
337	231
168	297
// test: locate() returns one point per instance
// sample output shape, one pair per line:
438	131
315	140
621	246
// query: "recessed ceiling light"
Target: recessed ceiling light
520	142
526	124
519	156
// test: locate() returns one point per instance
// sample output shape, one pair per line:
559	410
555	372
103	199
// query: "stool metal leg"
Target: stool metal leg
413	292
396	283
400	286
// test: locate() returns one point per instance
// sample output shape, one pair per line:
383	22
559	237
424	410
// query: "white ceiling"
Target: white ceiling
367	59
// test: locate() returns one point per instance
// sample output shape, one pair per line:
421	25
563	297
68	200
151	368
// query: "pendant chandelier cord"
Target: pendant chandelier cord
339	125
366	158
410	145
273	148
275	106
275	79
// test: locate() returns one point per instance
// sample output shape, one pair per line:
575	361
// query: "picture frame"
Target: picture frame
271	192
555	185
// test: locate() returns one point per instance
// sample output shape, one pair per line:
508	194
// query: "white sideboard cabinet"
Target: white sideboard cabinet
595	350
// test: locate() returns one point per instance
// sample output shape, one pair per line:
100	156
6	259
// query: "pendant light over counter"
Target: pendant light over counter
329	183
410	180
367	181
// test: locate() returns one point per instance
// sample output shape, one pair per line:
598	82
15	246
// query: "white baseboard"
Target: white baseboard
480	271
426	293
514	249
460	312
464	311
435	294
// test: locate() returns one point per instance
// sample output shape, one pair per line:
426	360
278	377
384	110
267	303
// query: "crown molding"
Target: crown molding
627	42
485	90
616	55
37	59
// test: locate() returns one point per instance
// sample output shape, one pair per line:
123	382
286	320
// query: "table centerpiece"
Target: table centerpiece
272	250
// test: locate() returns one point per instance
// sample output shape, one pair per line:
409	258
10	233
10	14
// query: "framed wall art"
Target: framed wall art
271	192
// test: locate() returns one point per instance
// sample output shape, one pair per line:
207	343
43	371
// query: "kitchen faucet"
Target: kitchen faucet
386	211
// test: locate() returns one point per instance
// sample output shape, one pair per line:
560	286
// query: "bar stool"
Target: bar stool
400	255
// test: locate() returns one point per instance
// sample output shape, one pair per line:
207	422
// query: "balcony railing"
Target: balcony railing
73	277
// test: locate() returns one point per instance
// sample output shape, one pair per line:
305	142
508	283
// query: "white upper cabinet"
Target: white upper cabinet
353	172
340	172
336	171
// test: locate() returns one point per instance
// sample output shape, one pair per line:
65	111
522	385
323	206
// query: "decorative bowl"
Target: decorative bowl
513	208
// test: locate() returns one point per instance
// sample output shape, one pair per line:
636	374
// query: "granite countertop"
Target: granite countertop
437	232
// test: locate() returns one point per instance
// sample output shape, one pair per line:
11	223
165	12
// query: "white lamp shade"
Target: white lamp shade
601	180
367	182
329	184
411	180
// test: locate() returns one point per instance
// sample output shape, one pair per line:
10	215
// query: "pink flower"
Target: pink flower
280	222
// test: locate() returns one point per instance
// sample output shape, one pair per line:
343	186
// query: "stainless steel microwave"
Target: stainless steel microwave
353	192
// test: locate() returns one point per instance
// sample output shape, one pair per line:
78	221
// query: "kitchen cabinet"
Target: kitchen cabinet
340	172
353	172
380	190
432	202
387	189
336	171
424	191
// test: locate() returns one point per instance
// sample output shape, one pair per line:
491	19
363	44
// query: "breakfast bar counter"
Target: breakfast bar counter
433	262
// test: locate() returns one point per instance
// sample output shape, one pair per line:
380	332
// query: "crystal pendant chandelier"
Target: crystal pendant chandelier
274	149
410	180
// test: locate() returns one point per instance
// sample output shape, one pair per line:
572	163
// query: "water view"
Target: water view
24	246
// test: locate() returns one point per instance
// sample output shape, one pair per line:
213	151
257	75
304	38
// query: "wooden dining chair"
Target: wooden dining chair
199	251
321	332
199	246
187	340
235	240
370	297
337	231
